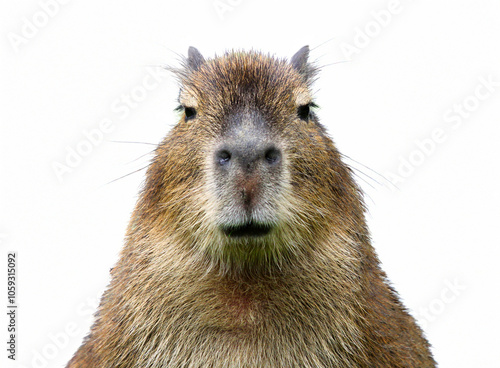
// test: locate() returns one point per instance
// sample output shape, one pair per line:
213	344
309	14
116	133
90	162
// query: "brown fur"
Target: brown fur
310	294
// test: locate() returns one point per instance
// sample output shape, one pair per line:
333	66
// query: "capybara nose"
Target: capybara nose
247	155
247	161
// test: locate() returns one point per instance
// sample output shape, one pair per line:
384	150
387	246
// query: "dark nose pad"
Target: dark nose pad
247	156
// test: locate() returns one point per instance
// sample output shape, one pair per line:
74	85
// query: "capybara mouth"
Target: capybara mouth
250	229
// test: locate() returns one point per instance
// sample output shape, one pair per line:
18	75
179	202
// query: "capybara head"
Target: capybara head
248	178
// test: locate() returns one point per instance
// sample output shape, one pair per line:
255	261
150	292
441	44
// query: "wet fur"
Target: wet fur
311	294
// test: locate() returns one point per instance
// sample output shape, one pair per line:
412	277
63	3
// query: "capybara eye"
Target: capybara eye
190	113
303	112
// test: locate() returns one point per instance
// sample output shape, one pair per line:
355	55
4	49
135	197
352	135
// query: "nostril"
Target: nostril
223	157
272	155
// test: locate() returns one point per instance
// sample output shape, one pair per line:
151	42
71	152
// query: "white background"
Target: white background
436	234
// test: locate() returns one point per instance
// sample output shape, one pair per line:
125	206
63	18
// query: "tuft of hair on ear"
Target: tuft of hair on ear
188	64
300	62
195	59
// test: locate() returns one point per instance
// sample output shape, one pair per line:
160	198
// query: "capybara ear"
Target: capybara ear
195	58
299	60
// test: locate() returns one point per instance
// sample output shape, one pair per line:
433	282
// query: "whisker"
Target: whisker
382	177
335	62
124	176
141	156
321	44
355	172
357	169
366	167
151	144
